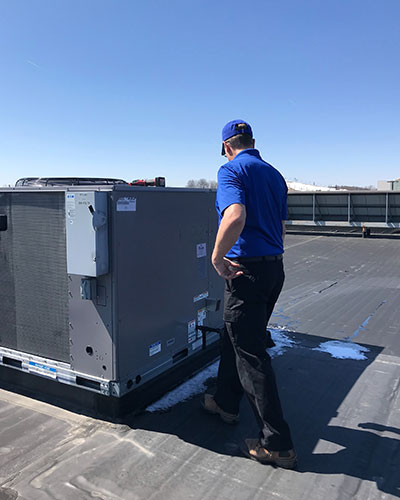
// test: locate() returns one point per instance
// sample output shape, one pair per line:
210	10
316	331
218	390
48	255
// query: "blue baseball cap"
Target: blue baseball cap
235	127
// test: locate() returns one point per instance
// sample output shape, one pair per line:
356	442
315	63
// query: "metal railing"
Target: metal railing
355	208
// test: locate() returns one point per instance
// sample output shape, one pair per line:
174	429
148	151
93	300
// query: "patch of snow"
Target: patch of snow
282	341
300	186
188	389
342	350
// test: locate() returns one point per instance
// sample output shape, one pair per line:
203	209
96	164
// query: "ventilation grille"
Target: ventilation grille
33	275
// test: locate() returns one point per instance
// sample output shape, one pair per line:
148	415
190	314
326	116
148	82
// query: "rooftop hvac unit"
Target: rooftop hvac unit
106	287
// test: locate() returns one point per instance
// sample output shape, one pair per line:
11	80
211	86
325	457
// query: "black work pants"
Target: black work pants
245	365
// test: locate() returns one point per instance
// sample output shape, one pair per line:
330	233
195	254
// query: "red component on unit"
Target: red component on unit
157	181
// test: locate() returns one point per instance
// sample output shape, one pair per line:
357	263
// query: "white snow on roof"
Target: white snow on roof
342	350
299	186
282	342
190	388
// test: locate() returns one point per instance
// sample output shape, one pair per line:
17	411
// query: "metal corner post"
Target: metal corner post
313	207
349	208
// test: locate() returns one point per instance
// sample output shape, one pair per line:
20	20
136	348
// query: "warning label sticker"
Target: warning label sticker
127	204
155	348
201	296
192	337
201	315
191	331
201	250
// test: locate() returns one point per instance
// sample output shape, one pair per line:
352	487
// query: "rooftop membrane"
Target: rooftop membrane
337	331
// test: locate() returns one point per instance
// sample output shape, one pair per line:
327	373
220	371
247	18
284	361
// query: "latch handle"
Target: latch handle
99	219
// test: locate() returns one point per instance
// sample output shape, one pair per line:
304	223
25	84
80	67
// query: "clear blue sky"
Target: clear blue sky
129	88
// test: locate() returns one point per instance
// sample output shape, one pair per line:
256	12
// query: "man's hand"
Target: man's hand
227	269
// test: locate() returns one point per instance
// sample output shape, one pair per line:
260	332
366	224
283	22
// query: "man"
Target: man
252	205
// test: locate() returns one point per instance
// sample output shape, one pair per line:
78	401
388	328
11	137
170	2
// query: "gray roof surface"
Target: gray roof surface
344	413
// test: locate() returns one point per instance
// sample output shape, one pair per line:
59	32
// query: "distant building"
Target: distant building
389	185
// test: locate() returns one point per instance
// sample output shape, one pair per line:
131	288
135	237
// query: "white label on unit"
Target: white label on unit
201	250
70	204
127	204
192	337
154	348
201	315
191	326
40	369
203	295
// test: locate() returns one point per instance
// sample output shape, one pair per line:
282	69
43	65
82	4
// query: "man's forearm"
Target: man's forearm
227	235
231	226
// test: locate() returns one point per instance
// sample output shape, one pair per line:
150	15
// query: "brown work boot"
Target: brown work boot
209	404
253	449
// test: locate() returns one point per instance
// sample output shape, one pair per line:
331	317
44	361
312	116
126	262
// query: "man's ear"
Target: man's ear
228	148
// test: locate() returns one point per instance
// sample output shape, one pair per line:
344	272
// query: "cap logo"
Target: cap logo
240	126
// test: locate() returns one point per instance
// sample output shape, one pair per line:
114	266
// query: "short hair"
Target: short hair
240	141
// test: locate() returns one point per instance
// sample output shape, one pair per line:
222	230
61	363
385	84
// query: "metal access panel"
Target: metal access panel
87	232
165	285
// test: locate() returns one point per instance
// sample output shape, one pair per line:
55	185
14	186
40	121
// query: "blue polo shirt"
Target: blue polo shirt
251	181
